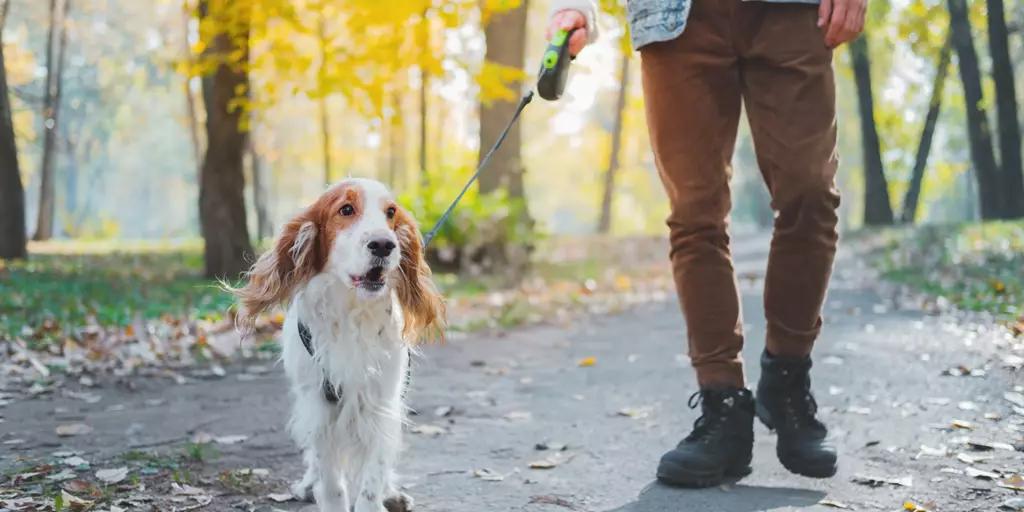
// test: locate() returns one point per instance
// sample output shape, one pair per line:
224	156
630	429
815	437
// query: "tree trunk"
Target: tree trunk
396	144
51	116
913	195
604	225
190	100
978	132
1012	185
424	94
13	234
877	208
506	37
325	120
264	228
222	184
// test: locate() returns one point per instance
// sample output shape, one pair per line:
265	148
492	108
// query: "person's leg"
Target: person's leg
789	92
692	97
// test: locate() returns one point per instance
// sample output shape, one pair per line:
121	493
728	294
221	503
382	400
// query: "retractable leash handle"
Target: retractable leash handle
554	67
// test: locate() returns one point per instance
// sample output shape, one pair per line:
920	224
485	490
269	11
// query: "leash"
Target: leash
551	79
554	70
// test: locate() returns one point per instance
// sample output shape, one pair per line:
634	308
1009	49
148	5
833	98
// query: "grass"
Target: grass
66	285
977	267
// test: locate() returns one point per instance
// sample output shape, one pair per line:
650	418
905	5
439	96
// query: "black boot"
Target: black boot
720	445
785	404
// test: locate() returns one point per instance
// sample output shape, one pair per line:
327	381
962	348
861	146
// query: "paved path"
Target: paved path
878	378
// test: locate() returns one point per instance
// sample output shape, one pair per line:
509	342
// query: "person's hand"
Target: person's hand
568	20
844	18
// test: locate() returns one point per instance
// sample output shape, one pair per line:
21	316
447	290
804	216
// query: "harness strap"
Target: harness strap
331	391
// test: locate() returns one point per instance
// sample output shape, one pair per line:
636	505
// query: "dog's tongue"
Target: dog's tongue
375	274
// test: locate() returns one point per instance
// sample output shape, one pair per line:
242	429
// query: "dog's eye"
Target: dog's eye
391	212
348	210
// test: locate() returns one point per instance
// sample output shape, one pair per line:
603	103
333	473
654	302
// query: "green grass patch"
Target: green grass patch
66	285
59	289
978	267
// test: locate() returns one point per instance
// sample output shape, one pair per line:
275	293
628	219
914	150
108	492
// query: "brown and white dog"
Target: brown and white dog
359	294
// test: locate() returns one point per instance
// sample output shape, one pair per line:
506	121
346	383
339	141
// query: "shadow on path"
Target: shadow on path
740	498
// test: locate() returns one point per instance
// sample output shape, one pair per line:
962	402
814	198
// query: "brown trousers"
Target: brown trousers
773	57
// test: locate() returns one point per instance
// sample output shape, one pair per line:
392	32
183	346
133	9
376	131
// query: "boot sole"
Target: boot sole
678	476
819	471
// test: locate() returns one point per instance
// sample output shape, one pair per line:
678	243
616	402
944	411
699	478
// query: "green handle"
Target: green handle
554	67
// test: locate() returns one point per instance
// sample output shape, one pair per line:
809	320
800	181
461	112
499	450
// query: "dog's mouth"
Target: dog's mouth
372	281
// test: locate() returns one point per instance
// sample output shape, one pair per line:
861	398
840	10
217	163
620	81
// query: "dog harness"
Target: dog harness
331	392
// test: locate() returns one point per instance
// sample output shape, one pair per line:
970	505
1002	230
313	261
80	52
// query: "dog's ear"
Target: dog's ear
422	304
279	271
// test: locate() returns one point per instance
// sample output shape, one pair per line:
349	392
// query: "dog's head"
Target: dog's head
359	235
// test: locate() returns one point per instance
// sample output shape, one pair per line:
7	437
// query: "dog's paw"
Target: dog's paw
303	491
400	502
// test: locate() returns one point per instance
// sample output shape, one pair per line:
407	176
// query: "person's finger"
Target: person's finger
824	12
572	19
862	16
577	42
836	24
556	21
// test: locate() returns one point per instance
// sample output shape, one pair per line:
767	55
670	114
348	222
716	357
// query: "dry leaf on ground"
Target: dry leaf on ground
112	476
74	429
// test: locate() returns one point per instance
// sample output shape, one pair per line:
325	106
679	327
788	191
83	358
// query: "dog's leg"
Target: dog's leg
396	500
303	489
375	475
330	490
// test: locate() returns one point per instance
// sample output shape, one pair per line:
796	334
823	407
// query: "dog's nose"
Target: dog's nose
381	247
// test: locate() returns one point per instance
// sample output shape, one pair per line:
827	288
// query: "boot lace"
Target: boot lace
798	402
715	407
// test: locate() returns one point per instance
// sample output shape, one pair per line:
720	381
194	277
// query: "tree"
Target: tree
325	120
978	133
1012	179
51	117
877	207
506	47
604	224
913	195
224	31
13	234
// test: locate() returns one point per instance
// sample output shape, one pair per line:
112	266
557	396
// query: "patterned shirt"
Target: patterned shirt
650	21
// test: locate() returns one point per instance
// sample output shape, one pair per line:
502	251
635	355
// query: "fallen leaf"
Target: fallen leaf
1015	482
962	424
72	502
253	471
934	452
833	504
967	406
558	447
977	473
488	475
186	490
1014	398
913	507
877	481
551	462
73	429
951	470
281	498
519	416
75	461
864	411
112	476
65	474
587	362
635	412
966	459
230	439
443	411
987	446
429	430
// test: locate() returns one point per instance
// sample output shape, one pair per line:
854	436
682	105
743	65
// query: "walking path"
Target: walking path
486	404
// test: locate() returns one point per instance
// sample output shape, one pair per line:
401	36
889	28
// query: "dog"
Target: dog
359	295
